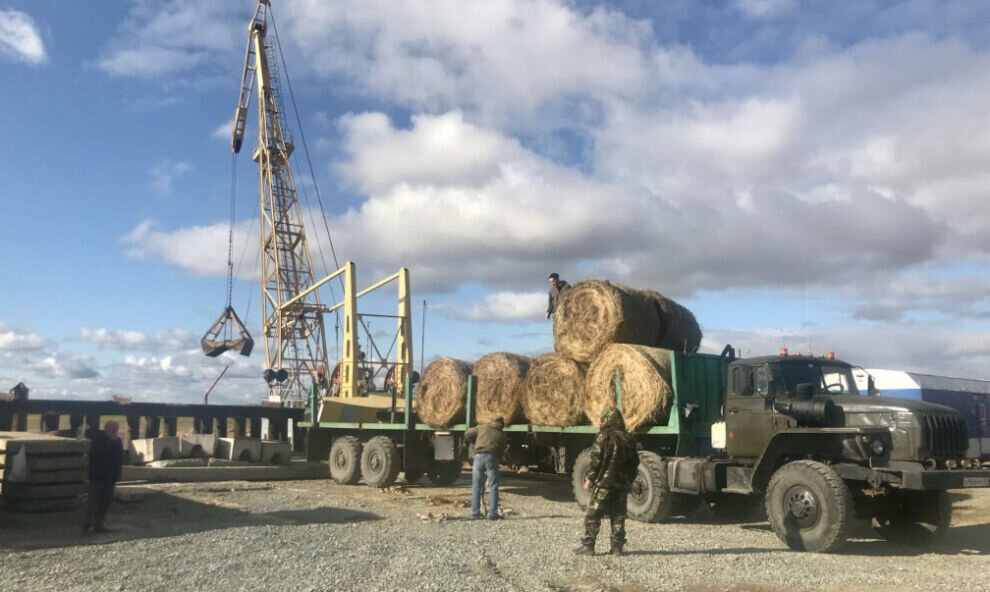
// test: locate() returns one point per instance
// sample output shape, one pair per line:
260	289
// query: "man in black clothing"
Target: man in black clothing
105	459
557	289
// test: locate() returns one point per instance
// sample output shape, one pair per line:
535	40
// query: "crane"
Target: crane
295	339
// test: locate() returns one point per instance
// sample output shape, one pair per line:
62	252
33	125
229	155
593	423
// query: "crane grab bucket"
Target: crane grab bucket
237	337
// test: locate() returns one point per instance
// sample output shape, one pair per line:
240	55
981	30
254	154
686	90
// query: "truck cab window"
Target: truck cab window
760	377
737	382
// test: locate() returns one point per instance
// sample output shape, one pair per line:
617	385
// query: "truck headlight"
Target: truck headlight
877	447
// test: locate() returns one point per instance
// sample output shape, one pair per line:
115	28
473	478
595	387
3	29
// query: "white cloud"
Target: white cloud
501	307
12	339
68	365
199	249
161	38
764	8
165	172
171	339
19	38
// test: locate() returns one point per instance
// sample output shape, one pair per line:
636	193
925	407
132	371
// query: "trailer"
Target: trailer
790	434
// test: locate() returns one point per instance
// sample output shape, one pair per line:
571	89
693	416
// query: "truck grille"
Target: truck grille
945	434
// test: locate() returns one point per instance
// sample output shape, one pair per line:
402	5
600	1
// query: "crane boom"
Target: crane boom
295	339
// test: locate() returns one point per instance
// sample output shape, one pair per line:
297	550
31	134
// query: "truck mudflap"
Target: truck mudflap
936	480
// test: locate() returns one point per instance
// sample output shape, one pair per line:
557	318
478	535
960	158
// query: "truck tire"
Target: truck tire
413	475
380	462
581	463
809	506
345	460
444	473
913	517
650	499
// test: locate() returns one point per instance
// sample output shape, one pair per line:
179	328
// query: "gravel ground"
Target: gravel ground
314	535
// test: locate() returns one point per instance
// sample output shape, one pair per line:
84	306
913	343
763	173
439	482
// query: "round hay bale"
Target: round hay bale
645	384
442	392
596	313
679	329
554	391
500	386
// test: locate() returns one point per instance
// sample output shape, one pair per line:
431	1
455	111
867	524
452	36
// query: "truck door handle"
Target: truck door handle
733	410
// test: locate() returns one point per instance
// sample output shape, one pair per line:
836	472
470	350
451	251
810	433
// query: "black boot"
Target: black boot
585	550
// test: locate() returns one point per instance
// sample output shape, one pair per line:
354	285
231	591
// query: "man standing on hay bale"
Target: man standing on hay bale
489	442
613	467
557	287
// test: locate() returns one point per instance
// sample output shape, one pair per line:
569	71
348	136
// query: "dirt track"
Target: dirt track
313	535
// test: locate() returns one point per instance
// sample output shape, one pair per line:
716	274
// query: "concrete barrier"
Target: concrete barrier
276	453
239	449
145	450
197	446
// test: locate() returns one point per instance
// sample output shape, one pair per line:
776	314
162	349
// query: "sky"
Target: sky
814	175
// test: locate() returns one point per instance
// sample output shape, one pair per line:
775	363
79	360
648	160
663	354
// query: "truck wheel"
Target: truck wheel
380	462
809	506
735	507
345	459
444	473
650	499
913	517
413	475
581	463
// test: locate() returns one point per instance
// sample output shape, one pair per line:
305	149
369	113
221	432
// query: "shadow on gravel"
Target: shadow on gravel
741	551
973	539
159	515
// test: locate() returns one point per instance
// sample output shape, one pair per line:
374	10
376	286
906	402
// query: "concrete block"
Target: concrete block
239	449
276	453
197	446
145	450
177	462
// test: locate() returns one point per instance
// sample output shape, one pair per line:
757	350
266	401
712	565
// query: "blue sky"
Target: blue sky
807	174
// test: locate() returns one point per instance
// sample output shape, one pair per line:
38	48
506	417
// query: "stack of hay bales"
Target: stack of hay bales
598	327
56	472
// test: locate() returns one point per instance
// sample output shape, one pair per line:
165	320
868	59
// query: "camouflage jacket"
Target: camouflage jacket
614	460
555	293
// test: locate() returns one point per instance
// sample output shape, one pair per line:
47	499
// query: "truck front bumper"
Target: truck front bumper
937	480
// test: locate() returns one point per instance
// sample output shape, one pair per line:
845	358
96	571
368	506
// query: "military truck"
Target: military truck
791	434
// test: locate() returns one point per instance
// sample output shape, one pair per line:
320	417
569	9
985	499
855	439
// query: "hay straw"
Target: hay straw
554	391
442	392
679	329
596	313
500	386
645	384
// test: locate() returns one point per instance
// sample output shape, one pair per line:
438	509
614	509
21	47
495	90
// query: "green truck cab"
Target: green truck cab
796	432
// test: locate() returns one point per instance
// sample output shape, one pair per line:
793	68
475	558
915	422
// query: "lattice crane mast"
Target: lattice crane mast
295	339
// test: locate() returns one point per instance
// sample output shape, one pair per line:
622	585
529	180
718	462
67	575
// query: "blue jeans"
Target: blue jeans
485	465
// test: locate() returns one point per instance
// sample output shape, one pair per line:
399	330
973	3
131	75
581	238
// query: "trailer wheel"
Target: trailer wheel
581	463
380	462
809	506
444	473
345	459
413	475
913	517
650	499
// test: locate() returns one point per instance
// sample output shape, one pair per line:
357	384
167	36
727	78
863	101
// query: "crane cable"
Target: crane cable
230	238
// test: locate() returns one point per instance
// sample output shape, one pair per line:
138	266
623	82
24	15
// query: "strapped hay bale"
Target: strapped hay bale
596	313
679	329
442	392
500	386
554	391
646	391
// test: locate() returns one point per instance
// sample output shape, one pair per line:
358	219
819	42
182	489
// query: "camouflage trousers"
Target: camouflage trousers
606	502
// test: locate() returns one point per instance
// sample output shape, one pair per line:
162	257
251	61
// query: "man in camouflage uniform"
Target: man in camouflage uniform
613	468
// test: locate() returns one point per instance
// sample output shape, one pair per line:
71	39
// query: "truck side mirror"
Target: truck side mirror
871	387
805	390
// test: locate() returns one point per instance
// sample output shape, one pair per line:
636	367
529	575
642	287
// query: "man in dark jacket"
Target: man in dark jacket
105	458
557	288
489	443
613	468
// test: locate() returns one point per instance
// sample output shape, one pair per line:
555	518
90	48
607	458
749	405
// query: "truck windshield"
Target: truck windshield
832	379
